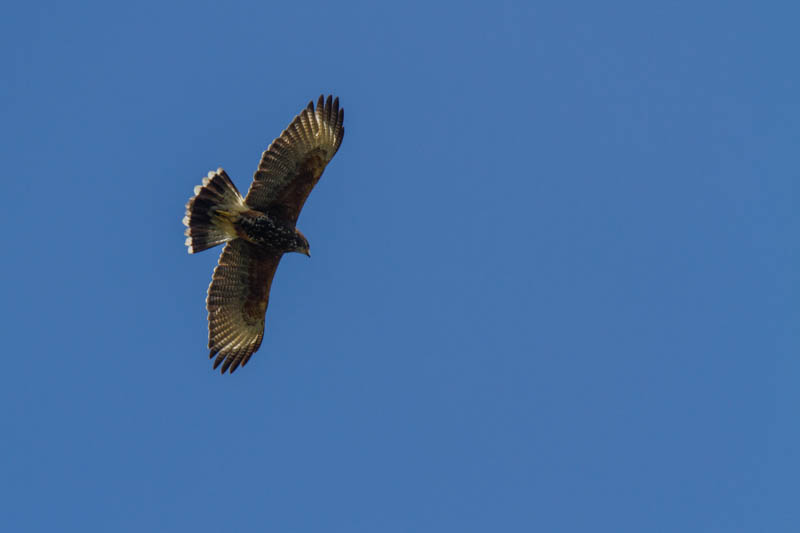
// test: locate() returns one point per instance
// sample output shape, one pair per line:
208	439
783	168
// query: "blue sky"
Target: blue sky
553	283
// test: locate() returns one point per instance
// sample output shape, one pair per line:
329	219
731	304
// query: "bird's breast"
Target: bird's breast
263	230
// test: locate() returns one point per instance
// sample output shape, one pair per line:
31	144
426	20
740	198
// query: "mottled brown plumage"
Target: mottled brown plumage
258	229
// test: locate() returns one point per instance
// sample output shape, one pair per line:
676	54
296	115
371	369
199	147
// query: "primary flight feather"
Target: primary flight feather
259	228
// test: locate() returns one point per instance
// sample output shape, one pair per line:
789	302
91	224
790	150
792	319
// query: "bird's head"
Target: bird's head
300	243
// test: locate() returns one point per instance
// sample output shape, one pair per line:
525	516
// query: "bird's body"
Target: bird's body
259	228
265	231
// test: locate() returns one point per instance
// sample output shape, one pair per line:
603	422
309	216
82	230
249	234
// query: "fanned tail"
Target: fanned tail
209	212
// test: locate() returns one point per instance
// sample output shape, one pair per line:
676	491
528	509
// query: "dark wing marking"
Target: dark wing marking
237	302
294	162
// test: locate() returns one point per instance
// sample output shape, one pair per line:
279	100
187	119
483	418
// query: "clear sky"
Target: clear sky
553	284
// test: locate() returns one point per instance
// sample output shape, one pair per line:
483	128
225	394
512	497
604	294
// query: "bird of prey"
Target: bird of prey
259	228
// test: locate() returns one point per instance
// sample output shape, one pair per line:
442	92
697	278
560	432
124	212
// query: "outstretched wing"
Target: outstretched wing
294	162
237	301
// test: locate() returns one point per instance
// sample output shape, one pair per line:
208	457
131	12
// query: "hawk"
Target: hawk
259	228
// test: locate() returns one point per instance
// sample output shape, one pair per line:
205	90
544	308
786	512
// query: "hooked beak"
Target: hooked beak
308	253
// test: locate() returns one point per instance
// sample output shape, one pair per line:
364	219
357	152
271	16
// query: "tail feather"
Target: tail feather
208	213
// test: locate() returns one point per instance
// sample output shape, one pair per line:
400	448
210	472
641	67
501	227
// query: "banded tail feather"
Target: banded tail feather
210	210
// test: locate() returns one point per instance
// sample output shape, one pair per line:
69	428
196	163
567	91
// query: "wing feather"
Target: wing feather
295	161
237	302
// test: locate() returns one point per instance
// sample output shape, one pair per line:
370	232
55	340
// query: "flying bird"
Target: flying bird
259	228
